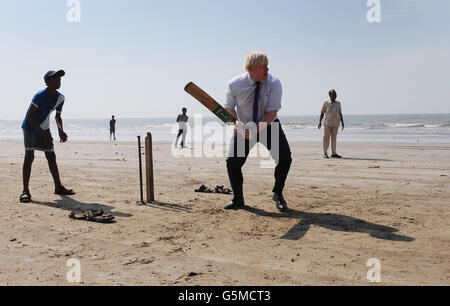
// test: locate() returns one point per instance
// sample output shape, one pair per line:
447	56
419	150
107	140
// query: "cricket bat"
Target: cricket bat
210	103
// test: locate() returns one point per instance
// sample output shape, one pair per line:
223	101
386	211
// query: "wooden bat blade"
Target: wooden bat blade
201	96
209	103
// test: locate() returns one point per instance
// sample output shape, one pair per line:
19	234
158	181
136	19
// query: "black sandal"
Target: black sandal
204	189
64	191
25	197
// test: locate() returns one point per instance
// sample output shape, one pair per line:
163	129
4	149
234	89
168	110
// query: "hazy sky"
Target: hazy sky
132	58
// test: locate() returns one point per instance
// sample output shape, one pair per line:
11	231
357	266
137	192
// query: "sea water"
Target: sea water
417	128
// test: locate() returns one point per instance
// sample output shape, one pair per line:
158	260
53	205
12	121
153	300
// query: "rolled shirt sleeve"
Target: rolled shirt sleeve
231	100
274	103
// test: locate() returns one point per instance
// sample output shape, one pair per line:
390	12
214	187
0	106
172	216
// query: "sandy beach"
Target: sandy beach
386	201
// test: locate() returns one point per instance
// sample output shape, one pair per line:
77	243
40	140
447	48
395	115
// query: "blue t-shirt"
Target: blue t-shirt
44	109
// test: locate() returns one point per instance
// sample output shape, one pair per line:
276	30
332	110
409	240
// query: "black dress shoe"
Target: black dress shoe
235	205
336	156
280	202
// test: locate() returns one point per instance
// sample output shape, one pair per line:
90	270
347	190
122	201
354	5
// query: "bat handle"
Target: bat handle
244	133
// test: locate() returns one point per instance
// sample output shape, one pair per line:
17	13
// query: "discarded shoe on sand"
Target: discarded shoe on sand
218	189
92	215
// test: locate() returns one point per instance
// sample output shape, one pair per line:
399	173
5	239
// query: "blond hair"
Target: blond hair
255	58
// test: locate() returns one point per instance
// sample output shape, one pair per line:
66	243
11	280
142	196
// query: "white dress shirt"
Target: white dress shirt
241	94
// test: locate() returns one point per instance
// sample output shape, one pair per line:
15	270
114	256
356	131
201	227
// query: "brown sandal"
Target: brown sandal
78	214
96	216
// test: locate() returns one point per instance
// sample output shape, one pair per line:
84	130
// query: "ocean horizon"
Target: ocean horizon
402	128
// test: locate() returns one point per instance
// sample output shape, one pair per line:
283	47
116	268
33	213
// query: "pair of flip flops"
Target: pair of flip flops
218	189
92	215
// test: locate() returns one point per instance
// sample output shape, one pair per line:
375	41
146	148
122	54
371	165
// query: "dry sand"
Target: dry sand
386	201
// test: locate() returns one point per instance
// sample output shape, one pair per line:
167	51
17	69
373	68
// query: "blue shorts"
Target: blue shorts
34	141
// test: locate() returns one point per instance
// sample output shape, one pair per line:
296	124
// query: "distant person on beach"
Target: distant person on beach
332	111
112	128
37	135
182	125
255	99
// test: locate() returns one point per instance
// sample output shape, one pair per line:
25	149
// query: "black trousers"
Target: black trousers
282	157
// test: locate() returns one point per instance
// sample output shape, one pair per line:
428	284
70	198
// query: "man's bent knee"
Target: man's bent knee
235	162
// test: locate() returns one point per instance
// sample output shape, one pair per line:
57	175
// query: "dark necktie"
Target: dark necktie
255	104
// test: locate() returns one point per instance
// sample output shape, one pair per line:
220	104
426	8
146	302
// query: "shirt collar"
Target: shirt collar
251	81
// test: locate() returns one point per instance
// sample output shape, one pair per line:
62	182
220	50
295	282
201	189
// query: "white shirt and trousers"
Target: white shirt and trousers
242	93
182	125
332	111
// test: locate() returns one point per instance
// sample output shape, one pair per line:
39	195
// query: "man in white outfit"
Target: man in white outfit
182	120
332	111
